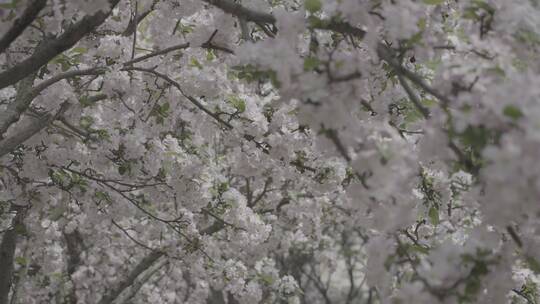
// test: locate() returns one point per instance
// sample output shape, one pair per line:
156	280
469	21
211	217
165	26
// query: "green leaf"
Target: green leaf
86	101
222	187
497	70
57	275
415	39
103	134
102	196
432	64
519	64
251	73
512	112
476	137
160	112
57	177
182	28
389	261
527	36
273	79
20	260
63	60
533	264
315	22
267	279
57	213
433	214
472	287
422	24
429	102
238	103
20	229
9	5
420	249
124	168
313	6
434	2
310	63
164	109
482	4
195	63
86	121
210	55
413	116
79	50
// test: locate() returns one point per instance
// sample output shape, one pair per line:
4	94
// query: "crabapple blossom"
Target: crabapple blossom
263	151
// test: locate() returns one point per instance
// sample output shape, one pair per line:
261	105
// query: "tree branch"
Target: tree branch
386	54
132	26
157	53
126	296
21	276
53	47
7	254
28	16
333	136
9	144
69	74
25	95
147	262
240	11
74	249
339	27
230	7
523	295
190	98
18	106
111	294
412	96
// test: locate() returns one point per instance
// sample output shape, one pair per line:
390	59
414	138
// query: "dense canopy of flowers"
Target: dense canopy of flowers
269	151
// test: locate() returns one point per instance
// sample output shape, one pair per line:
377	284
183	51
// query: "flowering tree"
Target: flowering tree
269	151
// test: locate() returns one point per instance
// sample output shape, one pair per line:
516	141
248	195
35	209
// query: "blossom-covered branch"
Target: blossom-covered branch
54	46
20	24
